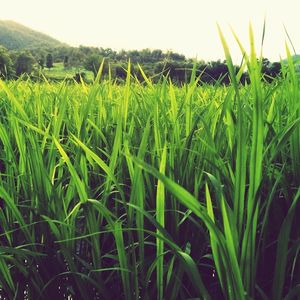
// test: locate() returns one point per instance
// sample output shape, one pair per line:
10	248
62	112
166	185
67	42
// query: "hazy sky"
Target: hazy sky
186	26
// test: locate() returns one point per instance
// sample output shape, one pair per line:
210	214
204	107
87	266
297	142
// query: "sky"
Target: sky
187	26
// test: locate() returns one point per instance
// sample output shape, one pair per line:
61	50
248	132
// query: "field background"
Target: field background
60	73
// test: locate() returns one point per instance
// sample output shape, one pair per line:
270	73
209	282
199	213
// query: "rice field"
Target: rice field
143	191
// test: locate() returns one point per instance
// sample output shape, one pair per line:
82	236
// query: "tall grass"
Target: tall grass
143	191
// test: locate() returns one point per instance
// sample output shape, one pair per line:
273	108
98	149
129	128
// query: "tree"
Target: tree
76	58
176	71
49	61
175	56
92	63
218	71
24	63
107	52
157	55
134	56
66	61
270	70
145	56
6	65
120	72
275	69
122	55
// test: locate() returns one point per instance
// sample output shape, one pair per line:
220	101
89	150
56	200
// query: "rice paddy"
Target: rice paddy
151	191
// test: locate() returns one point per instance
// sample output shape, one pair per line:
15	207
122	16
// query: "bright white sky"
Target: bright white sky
185	26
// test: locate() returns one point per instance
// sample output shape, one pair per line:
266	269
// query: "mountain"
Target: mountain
15	36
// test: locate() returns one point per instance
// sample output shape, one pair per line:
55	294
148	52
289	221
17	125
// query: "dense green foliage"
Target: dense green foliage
24	63
81	60
49	61
6	64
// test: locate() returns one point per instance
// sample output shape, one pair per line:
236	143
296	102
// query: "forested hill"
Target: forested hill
26	51
15	36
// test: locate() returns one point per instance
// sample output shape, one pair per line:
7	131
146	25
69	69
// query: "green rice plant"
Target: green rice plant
151	191
160	217
292	94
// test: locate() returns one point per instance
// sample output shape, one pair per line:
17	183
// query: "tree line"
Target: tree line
154	63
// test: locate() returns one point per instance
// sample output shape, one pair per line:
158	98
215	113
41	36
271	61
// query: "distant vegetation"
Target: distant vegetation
15	36
29	52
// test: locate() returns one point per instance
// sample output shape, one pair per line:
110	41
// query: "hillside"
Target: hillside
14	36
